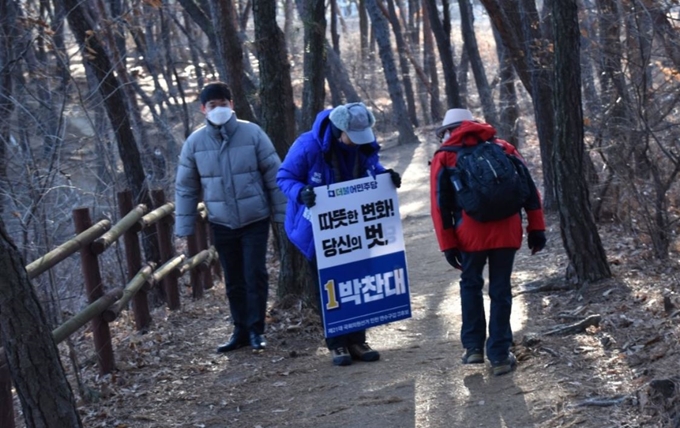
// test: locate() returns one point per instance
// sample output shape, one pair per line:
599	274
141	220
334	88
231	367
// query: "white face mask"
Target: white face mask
446	136
219	115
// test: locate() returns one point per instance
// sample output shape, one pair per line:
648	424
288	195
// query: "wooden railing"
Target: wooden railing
91	241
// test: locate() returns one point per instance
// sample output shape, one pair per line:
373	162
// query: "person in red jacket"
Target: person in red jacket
468	245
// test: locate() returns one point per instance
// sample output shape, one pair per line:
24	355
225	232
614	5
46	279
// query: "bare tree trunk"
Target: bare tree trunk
229	47
154	41
289	26
46	396
639	38
541	82
8	34
443	39
665	29
62	58
611	80
468	29
641	24
592	100
402	50
591	94
118	61
106	178
332	79
588	260
430	66
243	8
340	77
508	124
313	15
250	76
406	134
111	93
335	37
48	106
278	121
194	42
179	107
617	106
191	34
416	21
363	29
518	24
146	47
463	68
6	412
199	14
116	11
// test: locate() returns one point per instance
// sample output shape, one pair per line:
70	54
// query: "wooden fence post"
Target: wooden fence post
194	275
202	244
6	401
95	290
133	256
167	251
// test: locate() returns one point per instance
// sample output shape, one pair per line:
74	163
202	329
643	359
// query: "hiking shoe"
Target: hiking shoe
235	341
363	352
341	356
473	356
504	366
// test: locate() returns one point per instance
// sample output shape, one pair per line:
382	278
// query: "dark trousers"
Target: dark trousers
473	331
344	340
243	255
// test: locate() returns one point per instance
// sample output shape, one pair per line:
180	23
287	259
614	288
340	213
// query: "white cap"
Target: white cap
453	119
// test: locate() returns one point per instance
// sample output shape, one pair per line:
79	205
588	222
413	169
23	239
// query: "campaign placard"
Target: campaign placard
360	255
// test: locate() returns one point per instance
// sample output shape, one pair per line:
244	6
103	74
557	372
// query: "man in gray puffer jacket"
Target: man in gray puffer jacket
234	163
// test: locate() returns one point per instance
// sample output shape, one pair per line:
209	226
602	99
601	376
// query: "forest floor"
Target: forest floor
613	374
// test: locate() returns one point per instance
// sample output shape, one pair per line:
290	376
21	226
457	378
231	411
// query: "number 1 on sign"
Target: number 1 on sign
330	290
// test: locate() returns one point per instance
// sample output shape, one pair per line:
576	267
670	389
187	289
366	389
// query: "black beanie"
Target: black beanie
215	91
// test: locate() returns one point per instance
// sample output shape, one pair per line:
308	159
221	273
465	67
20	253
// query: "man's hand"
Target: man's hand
454	258
536	241
396	178
307	196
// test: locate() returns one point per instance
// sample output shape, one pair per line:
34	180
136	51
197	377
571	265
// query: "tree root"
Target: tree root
601	401
579	327
548	286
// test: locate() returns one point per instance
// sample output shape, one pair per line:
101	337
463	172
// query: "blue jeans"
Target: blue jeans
243	256
473	331
344	340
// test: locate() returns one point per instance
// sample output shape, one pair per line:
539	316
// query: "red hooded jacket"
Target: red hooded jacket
454	228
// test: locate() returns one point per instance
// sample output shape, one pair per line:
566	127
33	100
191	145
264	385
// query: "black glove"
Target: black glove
307	196
396	178
454	258
536	241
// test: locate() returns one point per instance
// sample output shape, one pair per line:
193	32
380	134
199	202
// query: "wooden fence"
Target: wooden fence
91	241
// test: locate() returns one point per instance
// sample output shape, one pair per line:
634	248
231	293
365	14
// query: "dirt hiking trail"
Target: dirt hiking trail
172	377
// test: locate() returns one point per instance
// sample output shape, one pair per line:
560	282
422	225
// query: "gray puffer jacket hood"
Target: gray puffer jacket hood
235	166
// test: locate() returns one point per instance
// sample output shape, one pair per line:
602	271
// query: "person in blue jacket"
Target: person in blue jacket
340	146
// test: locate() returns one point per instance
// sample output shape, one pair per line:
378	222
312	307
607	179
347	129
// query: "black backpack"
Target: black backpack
490	184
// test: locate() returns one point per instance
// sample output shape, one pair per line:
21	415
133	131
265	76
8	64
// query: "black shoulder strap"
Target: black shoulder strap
457	149
454	149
